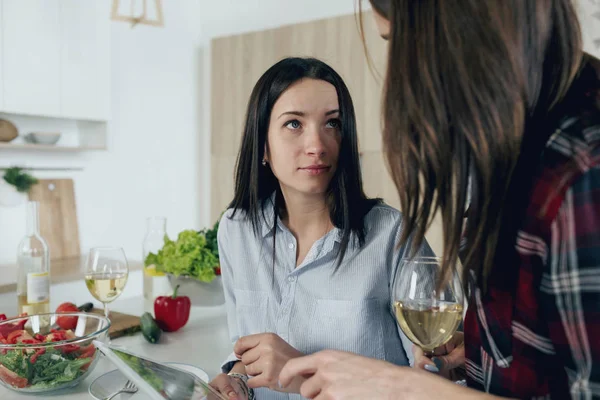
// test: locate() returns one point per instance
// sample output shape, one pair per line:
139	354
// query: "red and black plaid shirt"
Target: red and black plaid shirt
541	338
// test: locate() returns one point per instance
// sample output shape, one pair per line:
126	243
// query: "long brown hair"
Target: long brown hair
465	80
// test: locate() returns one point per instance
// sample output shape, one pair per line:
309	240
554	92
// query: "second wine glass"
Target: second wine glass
106	274
428	317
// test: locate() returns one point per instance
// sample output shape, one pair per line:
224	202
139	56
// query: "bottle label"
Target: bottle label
38	287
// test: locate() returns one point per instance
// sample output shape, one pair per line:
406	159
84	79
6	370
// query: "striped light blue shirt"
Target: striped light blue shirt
310	306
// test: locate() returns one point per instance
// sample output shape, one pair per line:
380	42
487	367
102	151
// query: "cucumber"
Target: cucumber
150	329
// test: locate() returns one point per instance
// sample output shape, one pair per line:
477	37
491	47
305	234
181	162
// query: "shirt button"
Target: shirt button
291	279
291	246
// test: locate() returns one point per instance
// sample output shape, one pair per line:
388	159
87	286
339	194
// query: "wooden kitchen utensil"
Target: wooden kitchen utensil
8	131
58	216
120	324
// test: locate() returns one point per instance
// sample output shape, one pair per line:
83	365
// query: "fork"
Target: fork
128	388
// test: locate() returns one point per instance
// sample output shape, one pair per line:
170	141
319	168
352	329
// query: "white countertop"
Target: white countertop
203	342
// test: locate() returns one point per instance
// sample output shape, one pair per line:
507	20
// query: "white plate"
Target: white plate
113	381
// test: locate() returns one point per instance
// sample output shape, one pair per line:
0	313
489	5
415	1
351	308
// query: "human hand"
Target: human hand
230	387
445	359
264	355
336	375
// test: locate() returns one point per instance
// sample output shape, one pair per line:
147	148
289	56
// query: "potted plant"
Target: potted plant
192	262
14	187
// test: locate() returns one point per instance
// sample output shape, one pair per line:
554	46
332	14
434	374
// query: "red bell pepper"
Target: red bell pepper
38	353
172	312
8	328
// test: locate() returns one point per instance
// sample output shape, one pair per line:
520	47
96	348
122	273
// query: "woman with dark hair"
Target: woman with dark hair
306	258
493	100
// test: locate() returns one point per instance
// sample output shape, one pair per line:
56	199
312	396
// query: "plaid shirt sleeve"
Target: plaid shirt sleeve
570	284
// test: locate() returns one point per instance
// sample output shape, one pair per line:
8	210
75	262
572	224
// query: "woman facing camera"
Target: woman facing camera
307	258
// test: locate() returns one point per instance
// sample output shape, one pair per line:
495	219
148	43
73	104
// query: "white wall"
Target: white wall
158	162
228	17
589	14
154	162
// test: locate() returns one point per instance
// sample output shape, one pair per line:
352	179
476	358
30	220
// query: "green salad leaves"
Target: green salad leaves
48	370
194	254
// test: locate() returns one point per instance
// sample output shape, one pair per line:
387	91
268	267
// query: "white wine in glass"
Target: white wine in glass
106	274
429	318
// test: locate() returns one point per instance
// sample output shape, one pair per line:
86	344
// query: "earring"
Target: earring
264	162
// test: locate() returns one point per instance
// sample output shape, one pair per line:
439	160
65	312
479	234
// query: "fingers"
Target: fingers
250	356
422	361
417	352
454	359
426	364
298	367
246	343
222	384
312	387
261	380
263	375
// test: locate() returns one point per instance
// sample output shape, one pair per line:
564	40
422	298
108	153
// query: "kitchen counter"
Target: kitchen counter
206	333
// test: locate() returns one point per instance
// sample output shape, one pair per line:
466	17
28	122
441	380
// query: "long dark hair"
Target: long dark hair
466	79
255	184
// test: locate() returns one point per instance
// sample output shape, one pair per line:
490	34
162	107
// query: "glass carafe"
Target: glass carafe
155	282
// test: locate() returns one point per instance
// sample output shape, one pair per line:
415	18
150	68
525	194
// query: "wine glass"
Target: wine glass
428	317
106	274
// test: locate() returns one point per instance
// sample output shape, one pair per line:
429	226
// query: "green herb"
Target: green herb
15	361
194	254
19	179
211	238
50	369
188	255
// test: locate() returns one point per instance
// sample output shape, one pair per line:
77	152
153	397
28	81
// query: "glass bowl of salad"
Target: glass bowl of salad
47	352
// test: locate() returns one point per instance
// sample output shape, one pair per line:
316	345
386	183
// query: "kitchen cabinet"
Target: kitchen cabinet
55	58
31	56
85	59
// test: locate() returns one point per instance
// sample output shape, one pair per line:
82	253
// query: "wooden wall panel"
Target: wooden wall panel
238	61
221	188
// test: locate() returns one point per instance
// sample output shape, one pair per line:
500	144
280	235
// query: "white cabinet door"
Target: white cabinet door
31	56
85	59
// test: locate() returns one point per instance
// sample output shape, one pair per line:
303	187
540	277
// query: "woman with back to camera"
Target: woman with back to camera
307	259
494	99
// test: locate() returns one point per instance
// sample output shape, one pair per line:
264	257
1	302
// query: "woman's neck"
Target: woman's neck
307	216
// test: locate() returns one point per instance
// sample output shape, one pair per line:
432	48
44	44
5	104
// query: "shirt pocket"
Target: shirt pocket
251	309
349	325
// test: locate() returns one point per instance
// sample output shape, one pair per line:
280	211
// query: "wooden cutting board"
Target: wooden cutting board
121	324
58	216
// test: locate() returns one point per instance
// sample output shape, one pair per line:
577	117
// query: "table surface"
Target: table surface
203	342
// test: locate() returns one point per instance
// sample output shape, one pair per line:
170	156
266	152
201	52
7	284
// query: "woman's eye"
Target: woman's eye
333	123
293	124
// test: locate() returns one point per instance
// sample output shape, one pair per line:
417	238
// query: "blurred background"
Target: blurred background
126	114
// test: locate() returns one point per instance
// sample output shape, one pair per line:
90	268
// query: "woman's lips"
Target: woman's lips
316	169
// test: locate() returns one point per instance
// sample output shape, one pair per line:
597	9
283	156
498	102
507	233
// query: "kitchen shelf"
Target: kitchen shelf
45	147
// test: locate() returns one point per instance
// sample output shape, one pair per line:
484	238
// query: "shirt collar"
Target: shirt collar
268	215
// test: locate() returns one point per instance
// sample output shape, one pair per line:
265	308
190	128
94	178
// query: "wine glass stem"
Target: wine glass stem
106	310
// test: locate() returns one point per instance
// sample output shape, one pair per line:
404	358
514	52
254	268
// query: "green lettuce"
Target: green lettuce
50	369
189	255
